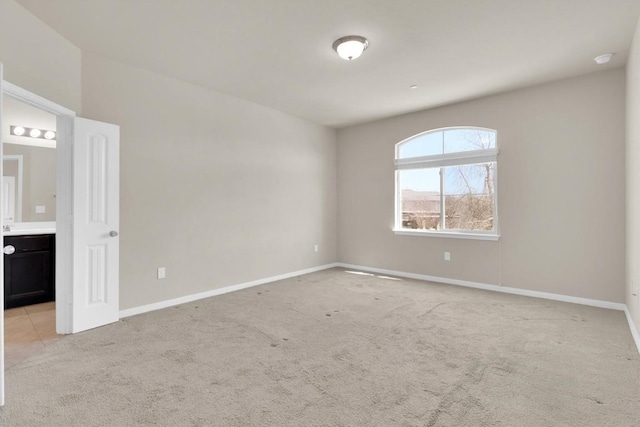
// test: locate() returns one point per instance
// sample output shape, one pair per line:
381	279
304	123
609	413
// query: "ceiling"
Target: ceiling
278	52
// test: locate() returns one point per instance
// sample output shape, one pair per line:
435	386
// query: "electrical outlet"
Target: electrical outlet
447	256
315	248
162	273
41	209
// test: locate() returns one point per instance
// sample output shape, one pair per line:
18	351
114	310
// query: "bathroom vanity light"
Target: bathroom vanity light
350	47
32	132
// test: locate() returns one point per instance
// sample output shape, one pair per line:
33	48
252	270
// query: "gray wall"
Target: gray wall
560	189
633	181
218	190
37	58
39	180
221	191
40	60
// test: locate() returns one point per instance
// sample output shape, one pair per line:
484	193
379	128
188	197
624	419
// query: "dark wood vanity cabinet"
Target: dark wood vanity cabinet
29	272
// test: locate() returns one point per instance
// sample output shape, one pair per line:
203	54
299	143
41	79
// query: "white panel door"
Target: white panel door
96	221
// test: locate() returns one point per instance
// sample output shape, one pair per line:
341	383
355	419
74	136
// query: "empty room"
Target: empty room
320	213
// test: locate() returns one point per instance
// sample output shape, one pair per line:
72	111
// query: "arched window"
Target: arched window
446	183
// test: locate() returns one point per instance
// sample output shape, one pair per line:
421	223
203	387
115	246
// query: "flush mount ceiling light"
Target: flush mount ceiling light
32	132
603	59
350	47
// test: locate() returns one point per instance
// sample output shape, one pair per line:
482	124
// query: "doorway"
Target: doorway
50	117
29	224
87	219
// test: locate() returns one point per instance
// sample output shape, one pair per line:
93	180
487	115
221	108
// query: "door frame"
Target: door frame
64	200
19	183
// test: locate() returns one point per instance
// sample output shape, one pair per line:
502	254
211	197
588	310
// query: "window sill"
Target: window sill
447	234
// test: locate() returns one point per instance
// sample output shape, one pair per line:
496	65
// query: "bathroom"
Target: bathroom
29	219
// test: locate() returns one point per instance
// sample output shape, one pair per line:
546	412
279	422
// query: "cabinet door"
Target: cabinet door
29	272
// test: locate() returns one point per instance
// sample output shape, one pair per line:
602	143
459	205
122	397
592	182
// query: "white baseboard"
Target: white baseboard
632	326
495	288
194	297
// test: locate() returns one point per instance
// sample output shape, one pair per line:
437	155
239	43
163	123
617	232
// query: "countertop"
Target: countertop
30	228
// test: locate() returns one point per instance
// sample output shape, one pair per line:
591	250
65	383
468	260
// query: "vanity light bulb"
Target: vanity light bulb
49	134
18	130
35	133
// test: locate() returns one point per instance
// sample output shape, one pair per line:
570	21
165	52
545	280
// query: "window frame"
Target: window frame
460	158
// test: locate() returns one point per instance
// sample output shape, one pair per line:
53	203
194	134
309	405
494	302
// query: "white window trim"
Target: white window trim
463	234
449	159
444	160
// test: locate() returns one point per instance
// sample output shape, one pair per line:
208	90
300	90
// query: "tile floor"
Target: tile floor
28	330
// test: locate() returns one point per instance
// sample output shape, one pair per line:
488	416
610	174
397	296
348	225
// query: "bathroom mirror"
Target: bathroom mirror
29	165
29	183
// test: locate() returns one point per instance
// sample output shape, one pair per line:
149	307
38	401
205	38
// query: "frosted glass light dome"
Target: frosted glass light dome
350	47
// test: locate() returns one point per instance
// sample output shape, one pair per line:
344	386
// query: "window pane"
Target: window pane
420	198
456	140
423	145
469	196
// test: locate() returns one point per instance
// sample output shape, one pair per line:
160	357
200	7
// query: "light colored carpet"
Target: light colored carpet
339	349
